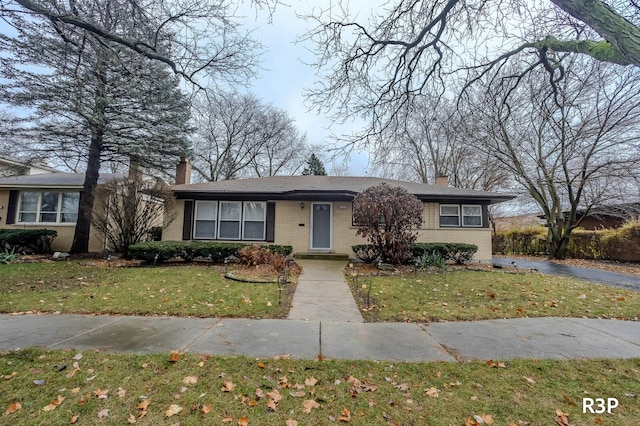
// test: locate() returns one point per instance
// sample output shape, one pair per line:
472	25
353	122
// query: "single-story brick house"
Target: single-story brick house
48	201
314	213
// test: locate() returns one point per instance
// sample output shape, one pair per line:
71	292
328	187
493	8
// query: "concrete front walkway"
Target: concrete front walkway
323	294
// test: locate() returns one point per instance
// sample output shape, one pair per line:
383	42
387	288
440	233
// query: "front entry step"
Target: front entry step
322	256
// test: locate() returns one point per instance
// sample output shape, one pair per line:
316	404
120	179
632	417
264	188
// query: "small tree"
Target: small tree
387	217
314	167
132	210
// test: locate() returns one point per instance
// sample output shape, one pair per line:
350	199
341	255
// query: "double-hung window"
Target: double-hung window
472	216
205	220
230	213
449	215
48	207
230	220
253	226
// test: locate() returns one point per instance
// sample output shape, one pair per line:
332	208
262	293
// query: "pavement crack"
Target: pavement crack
207	329
91	330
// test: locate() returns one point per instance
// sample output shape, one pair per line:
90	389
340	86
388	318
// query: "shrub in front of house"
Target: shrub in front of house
30	240
160	251
458	253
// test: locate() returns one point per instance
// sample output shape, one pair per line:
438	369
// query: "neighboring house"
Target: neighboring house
48	201
608	216
11	166
314	213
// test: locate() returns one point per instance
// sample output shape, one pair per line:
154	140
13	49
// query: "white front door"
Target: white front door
321	226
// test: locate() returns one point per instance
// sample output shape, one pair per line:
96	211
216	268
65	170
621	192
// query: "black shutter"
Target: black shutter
271	222
11	208
187	221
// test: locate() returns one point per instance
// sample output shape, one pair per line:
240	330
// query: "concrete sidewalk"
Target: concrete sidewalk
322	293
557	338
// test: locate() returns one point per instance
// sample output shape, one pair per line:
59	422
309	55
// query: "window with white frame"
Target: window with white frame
254	221
48	207
449	215
230	214
205	220
472	216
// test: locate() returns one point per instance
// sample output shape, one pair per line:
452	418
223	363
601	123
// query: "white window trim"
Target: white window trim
195	219
264	220
450	215
38	212
228	220
463	215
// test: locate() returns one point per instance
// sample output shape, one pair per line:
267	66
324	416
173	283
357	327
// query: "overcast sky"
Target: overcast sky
285	74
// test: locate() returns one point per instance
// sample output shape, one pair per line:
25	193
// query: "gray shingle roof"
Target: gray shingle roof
52	180
340	185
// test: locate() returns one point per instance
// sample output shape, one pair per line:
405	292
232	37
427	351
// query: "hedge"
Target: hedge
33	240
189	250
453	252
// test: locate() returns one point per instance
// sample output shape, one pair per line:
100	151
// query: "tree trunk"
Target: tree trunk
87	195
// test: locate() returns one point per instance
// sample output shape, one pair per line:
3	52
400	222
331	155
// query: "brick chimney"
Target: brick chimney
183	172
442	180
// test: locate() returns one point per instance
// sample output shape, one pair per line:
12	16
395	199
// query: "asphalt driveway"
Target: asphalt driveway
629	282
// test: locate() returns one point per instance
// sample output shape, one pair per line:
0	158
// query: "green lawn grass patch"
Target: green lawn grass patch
464	295
186	290
223	390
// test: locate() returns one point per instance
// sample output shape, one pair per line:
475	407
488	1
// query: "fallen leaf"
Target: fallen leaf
75	390
10	376
291	422
173	410
243	421
103	413
261	365
101	393
227	420
259	393
144	404
206	409
345	415
190	380
174	356
74	419
272	405
228	386
561	418
298	394
78	357
53	404
131	419
12	408
275	395
432	392
121	393
493	364
529	379
308	405
311	381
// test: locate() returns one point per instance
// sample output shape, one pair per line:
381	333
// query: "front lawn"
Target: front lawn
180	290
465	295
66	387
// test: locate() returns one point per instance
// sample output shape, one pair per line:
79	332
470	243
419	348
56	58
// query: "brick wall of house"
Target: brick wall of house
293	227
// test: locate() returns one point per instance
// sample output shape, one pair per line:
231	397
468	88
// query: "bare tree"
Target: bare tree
571	145
238	136
199	40
374	68
131	209
437	141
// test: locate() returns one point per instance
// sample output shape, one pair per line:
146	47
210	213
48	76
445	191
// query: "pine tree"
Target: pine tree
314	167
93	101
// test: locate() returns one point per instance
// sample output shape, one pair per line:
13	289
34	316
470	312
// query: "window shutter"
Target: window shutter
271	222
187	222
12	207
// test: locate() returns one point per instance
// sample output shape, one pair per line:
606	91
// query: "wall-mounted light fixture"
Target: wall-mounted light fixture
301	206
